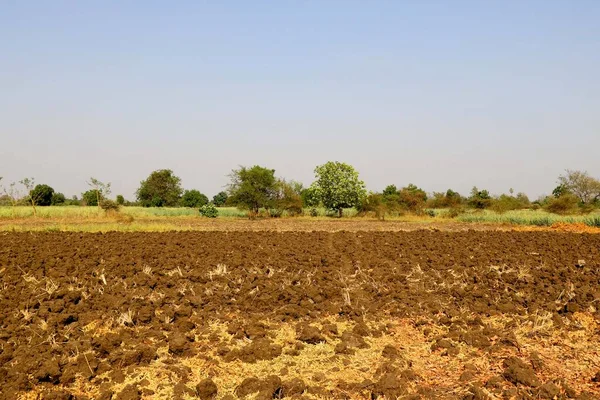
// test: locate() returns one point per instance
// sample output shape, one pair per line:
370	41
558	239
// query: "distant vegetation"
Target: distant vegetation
336	191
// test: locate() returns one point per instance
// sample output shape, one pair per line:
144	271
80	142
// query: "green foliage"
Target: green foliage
564	205
42	195
288	198
209	211
560	190
120	200
310	197
58	199
390	190
448	199
412	198
581	184
338	186
161	189
193	198
220	199
253	188
109	205
101	189
90	198
374	203
593	221
506	203
480	199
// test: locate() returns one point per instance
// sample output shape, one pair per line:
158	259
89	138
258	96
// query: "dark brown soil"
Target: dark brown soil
152	291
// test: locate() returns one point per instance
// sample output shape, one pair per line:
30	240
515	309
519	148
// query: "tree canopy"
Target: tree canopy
193	198
338	186
42	195
220	199
253	188
581	184
161	189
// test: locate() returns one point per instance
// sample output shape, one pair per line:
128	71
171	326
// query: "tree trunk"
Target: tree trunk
33	205
340	212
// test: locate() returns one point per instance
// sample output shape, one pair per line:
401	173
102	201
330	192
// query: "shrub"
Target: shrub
480	199
454	211
373	203
563	205
287	198
58	199
109	205
314	212
275	212
412	199
120	200
209	211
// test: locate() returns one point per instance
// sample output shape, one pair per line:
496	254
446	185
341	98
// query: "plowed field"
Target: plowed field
411	315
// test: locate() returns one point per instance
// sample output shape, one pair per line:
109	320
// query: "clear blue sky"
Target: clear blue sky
443	94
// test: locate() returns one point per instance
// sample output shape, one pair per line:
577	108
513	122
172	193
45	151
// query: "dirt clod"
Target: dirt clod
517	372
206	389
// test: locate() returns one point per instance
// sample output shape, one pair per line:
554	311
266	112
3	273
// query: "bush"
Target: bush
374	203
58	199
314	212
109	205
563	205
209	211
275	212
193	198
480	199
120	200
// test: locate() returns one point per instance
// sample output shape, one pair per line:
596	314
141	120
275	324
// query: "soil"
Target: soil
421	314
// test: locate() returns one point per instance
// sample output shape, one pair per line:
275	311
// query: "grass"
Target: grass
135	219
94	212
529	217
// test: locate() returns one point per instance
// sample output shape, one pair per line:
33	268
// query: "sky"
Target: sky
442	94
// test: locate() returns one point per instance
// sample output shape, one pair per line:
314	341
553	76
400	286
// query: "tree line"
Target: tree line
336	187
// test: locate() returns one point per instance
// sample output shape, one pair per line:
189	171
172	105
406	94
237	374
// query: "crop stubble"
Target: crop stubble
419	314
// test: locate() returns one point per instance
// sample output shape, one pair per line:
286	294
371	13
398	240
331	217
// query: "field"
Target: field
137	219
426	314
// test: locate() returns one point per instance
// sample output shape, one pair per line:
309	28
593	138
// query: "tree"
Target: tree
480	199
161	189
310	197
390	190
120	199
220	199
90	198
102	190
581	184
338	186
252	188
29	184
412	198
288	197
559	191
58	199
193	198
12	193
42	194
